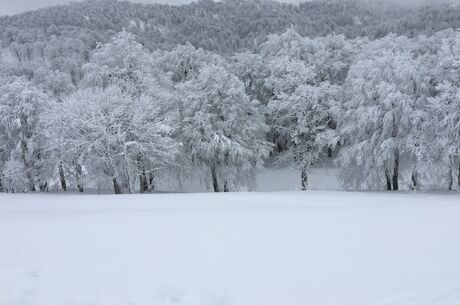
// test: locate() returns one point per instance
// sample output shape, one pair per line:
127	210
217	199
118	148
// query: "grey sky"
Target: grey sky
10	7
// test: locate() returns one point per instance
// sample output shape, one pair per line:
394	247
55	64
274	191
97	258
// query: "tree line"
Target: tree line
123	115
224	26
389	107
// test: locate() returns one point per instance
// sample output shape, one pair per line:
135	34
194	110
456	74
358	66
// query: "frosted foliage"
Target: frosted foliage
119	136
128	96
444	122
21	105
377	118
304	78
222	129
123	63
184	62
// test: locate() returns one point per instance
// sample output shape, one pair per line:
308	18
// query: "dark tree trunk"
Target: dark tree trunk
62	178
396	171
125	185
27	166
329	152
43	187
304	179
395	176
143	183
1	185
215	183
450	182
32	187
79	174
151	186
388	179
226	190
414	185
458	177
116	187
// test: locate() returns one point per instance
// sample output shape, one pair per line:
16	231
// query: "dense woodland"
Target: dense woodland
118	95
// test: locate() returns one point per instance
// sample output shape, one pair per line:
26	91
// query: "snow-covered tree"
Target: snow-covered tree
116	136
306	114
180	65
127	65
381	102
305	75
14	178
56	83
253	72
184	62
445	127
441	124
123	62
21	105
329	58
222	129
389	104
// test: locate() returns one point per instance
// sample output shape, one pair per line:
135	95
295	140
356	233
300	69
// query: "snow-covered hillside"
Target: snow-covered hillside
230	249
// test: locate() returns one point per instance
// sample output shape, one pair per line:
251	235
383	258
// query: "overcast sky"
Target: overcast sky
10	7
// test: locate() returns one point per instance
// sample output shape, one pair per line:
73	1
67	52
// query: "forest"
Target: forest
120	94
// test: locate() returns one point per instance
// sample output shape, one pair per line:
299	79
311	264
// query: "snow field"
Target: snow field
222	249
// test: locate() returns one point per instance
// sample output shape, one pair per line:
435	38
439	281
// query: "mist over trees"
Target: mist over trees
120	94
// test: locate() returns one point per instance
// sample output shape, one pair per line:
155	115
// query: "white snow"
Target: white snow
287	248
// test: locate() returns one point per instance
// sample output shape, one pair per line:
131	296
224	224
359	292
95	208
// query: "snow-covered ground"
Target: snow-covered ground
313	248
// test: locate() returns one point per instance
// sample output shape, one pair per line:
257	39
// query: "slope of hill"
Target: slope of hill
231	25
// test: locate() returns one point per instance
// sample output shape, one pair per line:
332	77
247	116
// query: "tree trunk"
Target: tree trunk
304	179
388	179
26	164
450	181
43	187
458	177
396	156
329	152
226	187
396	171
215	183
126	183
151	186
414	184
143	183
79	174
116	187
62	178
